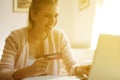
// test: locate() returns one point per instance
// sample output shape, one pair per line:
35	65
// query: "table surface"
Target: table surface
54	77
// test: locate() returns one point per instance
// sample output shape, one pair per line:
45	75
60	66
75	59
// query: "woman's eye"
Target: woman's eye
48	16
51	16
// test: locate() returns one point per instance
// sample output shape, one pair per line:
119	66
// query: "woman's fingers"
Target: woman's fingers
40	65
86	69
83	70
53	56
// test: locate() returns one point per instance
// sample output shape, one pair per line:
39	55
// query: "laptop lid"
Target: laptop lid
106	60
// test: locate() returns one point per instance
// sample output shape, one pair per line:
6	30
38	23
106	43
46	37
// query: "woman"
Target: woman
25	49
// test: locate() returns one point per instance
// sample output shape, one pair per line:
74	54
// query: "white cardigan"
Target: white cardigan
16	52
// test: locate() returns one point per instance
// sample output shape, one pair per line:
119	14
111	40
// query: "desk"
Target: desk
51	77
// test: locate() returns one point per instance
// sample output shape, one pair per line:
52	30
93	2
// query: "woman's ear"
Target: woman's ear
32	14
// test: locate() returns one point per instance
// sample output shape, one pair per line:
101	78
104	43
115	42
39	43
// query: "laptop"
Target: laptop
106	60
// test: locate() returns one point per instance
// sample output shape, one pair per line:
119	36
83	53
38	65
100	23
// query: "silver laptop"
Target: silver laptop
106	61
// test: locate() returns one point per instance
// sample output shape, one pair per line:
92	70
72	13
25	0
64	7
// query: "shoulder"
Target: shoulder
58	31
18	34
20	31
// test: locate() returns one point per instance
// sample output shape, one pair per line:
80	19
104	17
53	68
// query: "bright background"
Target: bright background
82	27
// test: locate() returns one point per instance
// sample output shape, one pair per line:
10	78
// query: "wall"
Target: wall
9	20
107	20
77	24
82	24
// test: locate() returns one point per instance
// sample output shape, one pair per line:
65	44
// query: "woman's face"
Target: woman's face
46	18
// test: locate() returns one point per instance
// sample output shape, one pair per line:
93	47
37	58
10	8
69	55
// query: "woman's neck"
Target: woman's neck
36	34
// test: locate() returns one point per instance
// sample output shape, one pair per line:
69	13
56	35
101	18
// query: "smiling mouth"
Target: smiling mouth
49	27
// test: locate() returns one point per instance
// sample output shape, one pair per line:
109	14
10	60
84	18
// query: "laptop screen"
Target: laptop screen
106	61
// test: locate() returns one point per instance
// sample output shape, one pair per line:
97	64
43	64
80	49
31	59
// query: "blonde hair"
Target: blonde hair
35	7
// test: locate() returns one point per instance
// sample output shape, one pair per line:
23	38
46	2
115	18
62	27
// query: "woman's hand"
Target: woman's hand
39	67
83	70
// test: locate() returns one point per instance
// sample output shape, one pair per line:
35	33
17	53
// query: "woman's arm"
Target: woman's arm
71	65
8	58
67	57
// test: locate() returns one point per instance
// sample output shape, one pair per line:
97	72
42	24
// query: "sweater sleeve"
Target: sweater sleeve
8	58
68	59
